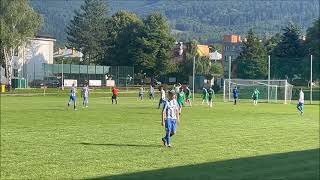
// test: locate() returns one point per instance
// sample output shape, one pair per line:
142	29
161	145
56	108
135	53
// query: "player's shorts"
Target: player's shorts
180	104
210	98
235	97
254	98
72	98
114	96
299	104
188	97
171	125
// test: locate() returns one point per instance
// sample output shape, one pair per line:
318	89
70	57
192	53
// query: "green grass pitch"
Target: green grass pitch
40	139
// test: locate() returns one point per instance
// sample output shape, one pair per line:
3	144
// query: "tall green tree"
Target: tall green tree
86	31
290	45
208	69
202	64
18	23
154	45
252	62
313	47
271	43
287	59
123	30
313	38
186	66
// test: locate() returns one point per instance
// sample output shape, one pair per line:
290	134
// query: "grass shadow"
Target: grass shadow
297	165
121	145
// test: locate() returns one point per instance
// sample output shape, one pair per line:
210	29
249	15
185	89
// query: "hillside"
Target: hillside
204	20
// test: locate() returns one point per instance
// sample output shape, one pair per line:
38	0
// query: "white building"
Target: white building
215	56
28	61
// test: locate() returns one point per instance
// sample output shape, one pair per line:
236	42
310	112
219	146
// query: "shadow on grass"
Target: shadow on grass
122	145
302	165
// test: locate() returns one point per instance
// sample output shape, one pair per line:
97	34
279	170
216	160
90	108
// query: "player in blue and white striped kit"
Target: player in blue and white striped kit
72	97
170	117
85	95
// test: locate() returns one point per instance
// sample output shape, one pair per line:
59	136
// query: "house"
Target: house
231	48
28	60
215	56
180	49
203	50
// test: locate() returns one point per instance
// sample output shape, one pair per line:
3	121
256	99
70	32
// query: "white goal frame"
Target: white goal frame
269	85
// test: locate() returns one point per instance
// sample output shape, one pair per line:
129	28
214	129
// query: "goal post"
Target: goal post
272	91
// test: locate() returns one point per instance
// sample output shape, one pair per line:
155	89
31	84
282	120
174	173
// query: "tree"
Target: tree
18	23
288	55
216	47
186	66
154	45
313	46
313	38
86	31
252	62
123	30
271	43
290	45
202	64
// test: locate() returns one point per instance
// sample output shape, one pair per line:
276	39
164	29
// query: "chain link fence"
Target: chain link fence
51	74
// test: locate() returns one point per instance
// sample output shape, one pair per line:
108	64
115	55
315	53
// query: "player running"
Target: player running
151	92
255	96
141	93
300	102
180	97
188	96
72	97
235	93
162	97
85	95
211	95
170	118
205	96
114	97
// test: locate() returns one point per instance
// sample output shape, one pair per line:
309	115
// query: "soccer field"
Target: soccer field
40	139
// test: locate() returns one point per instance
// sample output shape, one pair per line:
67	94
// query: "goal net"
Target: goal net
270	91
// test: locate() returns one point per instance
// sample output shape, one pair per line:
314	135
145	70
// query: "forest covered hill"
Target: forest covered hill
203	20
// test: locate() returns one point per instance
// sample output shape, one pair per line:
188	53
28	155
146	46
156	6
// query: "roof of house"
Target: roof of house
203	50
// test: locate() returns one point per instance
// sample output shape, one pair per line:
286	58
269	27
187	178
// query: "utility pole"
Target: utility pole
311	79
62	83
229	78
193	76
269	78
